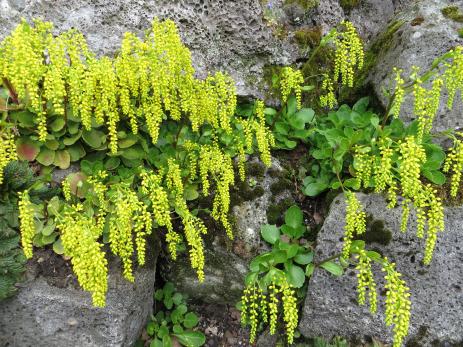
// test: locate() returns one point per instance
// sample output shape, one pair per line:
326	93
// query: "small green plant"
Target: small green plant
279	276
173	321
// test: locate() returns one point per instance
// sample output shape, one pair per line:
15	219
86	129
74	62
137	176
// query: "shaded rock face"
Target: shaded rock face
424	35
226	261
52	311
222	35
331	306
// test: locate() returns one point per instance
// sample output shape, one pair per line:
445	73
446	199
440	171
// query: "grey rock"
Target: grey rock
226	265
58	175
418	44
250	215
223	35
331	306
47	314
224	276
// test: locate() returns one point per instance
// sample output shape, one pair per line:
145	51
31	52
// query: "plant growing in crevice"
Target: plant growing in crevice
174	323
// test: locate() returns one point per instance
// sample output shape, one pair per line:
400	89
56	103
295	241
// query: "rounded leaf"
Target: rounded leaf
270	233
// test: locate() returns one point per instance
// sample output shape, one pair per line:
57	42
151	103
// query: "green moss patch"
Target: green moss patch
305	4
308	37
349	4
376	232
275	212
454	13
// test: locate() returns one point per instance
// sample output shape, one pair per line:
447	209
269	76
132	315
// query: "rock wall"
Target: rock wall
223	35
50	310
331	306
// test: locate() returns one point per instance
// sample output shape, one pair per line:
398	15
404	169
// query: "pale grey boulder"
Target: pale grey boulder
423	35
223	35
331	307
52	311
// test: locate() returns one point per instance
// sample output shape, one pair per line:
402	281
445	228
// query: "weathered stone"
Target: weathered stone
424	35
436	290
226	265
223	35
52	311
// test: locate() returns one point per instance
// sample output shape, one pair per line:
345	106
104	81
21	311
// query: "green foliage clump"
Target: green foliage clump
349	4
174	323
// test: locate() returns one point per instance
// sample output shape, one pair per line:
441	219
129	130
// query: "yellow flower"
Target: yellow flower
26	222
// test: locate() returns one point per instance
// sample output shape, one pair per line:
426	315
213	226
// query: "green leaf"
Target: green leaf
151	328
166	341
291	106
270	111
191	320
191	192
68	141
112	163
27	149
305	114
177	329
294	217
58	247
62	159
158	294
52	144
133	153
93	138
435	176
168	302
76	152
304	258
332	268
315	188
177	298
128	141
163	331
156	343
270	233
191	338
309	269
46	157
295	275
57	124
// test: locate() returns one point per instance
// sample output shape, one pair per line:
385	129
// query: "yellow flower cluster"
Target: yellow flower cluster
291	81
397	303
151	186
66	188
329	98
412	156
151	79
130	215
383	170
80	234
364	164
355	222
7	149
426	105
193	226
264	136
26	222
365	280
453	76
399	93
454	163
219	165
349	54
258	306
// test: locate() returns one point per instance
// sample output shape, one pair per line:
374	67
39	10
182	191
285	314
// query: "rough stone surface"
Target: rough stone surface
226	262
425	35
48	312
251	215
436	290
223	35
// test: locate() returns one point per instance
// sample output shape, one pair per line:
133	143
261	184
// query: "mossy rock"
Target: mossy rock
454	13
349	4
304	4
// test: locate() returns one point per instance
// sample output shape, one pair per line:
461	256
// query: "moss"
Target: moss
460	32
242	192
280	186
454	13
305	4
255	169
349	4
271	78
376	232
308	37
276	211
